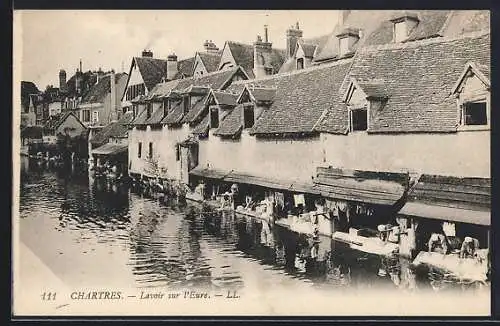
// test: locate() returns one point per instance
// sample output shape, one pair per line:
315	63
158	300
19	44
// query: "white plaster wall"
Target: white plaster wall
277	158
169	138
460	154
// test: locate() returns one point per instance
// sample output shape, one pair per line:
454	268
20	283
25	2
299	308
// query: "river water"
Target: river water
92	234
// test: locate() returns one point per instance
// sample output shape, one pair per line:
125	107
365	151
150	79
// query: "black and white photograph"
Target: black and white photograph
251	163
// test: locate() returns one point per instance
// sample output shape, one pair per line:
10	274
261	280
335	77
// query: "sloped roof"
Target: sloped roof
210	60
194	113
117	129
185	67
163	89
98	91
152	70
308	49
466	21
202	127
430	24
415	104
58	119
156	116
175	115
225	97
232	124
374	89
301	99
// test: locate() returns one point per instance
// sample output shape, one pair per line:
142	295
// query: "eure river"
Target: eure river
91	234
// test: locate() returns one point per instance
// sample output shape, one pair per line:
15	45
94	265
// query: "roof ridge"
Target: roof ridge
296	72
423	42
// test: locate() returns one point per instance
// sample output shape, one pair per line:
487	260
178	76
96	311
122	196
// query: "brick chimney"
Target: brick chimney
147	54
293	34
210	47
62	81
262	55
172	67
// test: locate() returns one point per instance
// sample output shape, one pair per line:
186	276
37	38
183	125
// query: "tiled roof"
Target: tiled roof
202	127
302	97
210	60
263	94
225	98
185	67
232	124
194	114
27	88
141	118
308	49
97	93
117	129
466	21
152	70
277	59
419	89
156	117
57	120
430	24
374	89
243	56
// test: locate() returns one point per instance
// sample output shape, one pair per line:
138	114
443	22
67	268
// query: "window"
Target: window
139	150
95	116
214	118
177	152
149	110
358	119
474	114
186	104
150	152
86	115
300	63
400	31
248	116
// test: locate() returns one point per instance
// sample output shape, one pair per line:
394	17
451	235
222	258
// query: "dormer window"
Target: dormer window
347	39
248	116
474	113
214	117
358	119
472	90
403	25
300	63
149	110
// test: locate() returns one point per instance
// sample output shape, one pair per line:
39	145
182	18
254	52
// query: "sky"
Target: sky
49	40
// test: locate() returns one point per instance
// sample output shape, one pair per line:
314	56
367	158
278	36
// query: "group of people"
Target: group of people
439	242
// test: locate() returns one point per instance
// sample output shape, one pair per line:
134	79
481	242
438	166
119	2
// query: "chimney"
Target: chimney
147	54
78	82
172	68
210	47
81	65
62	81
99	75
343	17
292	36
114	108
262	55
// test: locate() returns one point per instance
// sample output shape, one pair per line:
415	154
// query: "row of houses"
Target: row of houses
375	122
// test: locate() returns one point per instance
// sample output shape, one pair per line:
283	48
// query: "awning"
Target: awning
444	213
288	185
209	173
379	188
110	149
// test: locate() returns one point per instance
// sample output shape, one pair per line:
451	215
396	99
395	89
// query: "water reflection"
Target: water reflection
178	246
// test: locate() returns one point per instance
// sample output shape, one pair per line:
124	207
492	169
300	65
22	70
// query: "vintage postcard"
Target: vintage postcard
276	163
